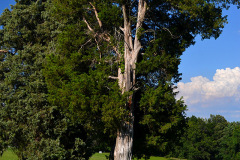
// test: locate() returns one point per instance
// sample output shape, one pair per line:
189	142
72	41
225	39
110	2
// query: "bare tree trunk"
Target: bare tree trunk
124	140
126	79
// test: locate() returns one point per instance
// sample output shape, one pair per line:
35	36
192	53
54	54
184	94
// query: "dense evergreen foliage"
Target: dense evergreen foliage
29	124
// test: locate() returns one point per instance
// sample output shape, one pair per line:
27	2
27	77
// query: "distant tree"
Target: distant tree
202	139
116	62
216	125
199	142
230	142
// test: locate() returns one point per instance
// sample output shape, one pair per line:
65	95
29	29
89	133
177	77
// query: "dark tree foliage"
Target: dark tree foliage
226	3
230	142
29	124
209	139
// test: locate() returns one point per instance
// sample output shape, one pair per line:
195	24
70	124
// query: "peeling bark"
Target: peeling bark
124	140
126	79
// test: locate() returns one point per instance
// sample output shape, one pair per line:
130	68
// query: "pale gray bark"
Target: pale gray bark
124	140
126	79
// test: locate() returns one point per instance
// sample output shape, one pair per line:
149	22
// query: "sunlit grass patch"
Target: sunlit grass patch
102	156
9	155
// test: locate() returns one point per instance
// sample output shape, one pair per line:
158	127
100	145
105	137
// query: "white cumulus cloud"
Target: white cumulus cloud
225	85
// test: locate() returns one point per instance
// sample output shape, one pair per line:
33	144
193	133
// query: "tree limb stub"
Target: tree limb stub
122	29
3	51
111	77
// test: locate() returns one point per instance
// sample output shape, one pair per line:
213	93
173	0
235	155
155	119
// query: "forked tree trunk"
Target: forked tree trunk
126	80
124	140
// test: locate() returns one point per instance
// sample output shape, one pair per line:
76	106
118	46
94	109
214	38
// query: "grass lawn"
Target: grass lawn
99	156
102	156
9	155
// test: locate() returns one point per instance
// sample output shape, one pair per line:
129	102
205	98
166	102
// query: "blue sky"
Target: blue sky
5	4
211	77
211	74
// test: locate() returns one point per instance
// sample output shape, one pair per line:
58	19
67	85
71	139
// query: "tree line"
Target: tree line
209	139
80	75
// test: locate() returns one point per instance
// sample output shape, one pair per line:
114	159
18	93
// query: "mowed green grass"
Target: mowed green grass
102	156
9	155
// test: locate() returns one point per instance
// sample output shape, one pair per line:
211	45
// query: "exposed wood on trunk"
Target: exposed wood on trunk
142	8
124	140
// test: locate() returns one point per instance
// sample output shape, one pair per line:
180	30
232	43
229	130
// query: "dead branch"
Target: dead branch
151	30
97	35
122	29
85	43
3	51
84	19
173	36
111	77
96	14
97	44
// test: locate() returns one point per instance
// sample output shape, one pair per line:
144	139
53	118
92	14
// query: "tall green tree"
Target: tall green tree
206	139
209	139
216	125
116	62
28	123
